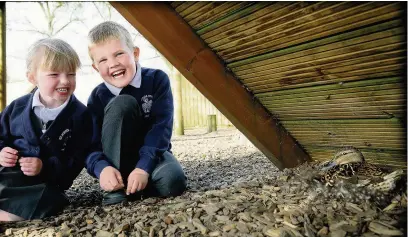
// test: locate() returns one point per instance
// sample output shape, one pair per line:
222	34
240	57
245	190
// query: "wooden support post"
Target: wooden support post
211	123
178	104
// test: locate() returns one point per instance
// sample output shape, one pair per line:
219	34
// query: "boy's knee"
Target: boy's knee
122	105
172	182
177	185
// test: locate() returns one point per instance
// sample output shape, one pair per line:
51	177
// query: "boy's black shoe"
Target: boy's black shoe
114	197
135	197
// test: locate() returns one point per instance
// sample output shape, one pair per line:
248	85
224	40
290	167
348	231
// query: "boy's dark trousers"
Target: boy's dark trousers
121	142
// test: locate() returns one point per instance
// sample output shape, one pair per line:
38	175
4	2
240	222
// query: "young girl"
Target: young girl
45	136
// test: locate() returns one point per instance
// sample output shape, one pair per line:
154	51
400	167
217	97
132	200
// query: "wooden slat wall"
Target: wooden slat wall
196	108
334	73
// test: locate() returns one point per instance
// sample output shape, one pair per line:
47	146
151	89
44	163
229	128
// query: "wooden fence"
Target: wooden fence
196	108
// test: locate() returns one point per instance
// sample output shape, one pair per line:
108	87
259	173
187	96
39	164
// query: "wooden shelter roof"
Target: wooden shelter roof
299	79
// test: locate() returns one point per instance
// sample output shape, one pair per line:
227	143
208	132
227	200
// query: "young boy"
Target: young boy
133	115
45	136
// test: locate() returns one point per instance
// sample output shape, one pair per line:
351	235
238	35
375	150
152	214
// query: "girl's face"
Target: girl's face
55	87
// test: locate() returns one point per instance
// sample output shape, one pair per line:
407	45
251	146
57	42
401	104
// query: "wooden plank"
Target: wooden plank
269	44
324	48
321	70
176	4
286	22
398	145
397	88
347	115
340	111
357	130
352	136
382	152
326	79
346	128
260	60
226	21
354	103
395	70
327	109
376	95
173	37
375	47
266	45
349	129
243	33
184	6
271	11
368	134
359	143
343	63
225	8
368	113
366	85
372	139
190	13
308	82
301	27
347	123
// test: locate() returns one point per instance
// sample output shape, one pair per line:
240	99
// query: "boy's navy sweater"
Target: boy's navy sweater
62	148
156	103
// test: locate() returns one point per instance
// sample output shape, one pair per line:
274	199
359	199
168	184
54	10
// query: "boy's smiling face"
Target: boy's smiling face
115	62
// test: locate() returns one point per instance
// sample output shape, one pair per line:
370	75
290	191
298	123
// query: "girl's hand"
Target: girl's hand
8	157
31	166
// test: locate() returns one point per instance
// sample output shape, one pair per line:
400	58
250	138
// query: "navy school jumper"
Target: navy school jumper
156	102
63	148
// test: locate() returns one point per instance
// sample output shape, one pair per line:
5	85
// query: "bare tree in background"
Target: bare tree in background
57	15
51	9
55	23
104	9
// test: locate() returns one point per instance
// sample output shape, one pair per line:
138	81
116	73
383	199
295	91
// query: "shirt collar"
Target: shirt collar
46	114
36	99
136	81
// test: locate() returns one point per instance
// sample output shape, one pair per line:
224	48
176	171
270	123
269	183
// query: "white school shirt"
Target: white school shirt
136	81
43	113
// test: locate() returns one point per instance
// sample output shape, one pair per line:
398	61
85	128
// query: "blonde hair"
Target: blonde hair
109	30
52	54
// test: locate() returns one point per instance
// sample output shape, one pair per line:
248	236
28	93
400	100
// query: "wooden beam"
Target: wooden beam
175	39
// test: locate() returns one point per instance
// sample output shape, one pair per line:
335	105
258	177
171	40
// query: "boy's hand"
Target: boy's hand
31	166
8	157
111	179
137	181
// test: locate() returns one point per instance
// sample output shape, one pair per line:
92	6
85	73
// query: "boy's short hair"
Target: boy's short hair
52	54
109	30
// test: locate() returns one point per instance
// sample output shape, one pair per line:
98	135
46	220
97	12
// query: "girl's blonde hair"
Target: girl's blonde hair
52	54
109	30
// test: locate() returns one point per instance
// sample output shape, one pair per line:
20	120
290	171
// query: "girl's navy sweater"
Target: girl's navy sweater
63	148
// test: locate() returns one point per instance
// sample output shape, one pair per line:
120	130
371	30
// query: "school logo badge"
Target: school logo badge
147	101
64	137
